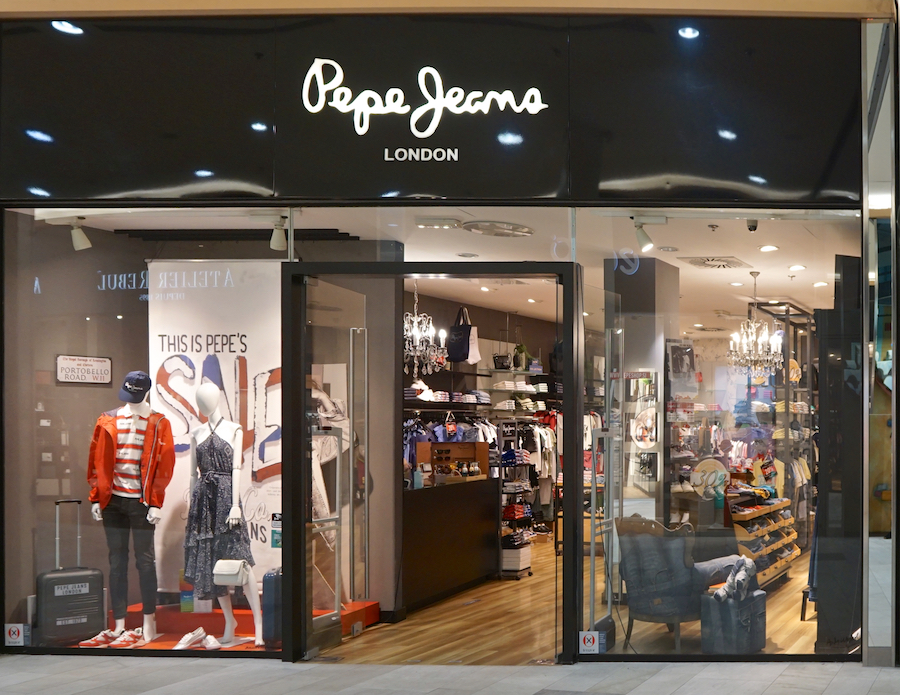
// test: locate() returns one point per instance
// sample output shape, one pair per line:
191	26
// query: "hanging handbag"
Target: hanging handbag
462	343
231	573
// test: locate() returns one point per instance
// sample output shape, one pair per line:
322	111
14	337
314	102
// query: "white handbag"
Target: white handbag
231	573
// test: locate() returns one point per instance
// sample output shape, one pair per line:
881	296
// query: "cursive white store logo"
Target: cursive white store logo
425	119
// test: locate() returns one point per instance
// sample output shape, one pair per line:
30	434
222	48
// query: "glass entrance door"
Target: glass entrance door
336	533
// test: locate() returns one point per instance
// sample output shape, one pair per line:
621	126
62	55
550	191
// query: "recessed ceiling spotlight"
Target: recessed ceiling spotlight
698	325
531	301
485	289
498	229
688	33
437	222
774	301
670	249
767	248
618	331
34	190
203	173
797	267
737	284
119	316
586	313
467	255
758	179
727	134
820	284
259	127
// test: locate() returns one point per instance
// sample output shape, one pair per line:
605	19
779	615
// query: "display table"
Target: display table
450	540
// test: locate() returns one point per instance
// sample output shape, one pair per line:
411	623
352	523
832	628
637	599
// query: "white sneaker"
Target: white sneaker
211	643
191	639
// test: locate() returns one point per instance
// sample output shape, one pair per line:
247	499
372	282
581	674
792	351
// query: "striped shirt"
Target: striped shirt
127	471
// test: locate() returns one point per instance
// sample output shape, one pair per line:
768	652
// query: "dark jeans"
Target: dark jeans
121	516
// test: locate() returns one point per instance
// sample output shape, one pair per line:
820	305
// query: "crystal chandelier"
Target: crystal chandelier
419	347
753	351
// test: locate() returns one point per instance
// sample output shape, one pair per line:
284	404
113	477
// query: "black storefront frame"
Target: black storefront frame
572	599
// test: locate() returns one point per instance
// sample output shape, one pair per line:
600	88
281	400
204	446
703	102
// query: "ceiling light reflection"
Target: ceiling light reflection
66	27
259	127
34	190
508	138
727	135
688	33
203	173
39	135
757	179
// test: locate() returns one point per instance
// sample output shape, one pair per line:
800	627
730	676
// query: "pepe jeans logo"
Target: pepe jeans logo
425	119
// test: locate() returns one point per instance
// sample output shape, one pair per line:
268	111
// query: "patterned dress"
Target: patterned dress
208	537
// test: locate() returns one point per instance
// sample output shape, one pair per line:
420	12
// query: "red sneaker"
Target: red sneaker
128	639
102	640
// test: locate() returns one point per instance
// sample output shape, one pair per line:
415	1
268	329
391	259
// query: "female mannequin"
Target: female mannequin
211	534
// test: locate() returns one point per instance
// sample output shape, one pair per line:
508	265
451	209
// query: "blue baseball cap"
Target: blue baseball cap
135	387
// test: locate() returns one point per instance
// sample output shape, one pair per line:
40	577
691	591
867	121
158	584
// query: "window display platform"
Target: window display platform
172	623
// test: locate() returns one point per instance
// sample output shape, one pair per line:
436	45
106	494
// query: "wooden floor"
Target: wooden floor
517	622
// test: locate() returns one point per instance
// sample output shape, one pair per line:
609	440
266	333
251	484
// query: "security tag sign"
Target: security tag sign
589	642
17	635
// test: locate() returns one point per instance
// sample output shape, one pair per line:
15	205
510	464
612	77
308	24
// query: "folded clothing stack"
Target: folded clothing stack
516	457
524	387
481	397
506	405
505	386
515	540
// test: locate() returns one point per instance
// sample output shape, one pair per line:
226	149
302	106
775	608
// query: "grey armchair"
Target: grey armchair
662	581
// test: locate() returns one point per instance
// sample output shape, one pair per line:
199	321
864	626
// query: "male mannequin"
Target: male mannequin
218	481
131	461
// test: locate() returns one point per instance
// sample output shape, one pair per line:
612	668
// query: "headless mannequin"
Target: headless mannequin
153	516
208	405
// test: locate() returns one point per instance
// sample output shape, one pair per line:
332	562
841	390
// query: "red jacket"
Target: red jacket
157	459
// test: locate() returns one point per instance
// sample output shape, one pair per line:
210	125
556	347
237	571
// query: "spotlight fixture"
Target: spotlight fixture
767	248
820	284
797	267
586	313
688	33
774	301
698	325
644	241
119	316
80	241
278	240
485	289
737	284
531	301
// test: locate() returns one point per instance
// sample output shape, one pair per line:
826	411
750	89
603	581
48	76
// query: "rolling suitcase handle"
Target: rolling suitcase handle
77	531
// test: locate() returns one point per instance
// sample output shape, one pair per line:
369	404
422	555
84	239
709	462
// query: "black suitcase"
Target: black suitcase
733	627
271	607
69	600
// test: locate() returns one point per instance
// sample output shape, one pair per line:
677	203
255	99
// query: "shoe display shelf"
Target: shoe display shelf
754	513
745	551
769	521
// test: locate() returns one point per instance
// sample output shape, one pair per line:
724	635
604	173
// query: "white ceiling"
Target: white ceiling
809	238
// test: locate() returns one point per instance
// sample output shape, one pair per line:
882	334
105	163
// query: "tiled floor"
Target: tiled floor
67	675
